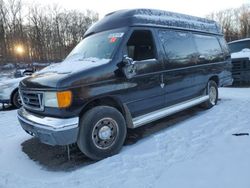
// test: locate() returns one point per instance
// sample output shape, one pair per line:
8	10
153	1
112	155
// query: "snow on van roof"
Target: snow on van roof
67	67
244	53
154	18
240	40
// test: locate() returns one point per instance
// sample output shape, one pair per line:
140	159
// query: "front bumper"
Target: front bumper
51	131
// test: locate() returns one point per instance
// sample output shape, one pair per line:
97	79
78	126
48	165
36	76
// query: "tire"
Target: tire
16	101
102	132
212	92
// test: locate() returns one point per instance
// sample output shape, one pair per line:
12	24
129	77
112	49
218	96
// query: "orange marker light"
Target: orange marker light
64	99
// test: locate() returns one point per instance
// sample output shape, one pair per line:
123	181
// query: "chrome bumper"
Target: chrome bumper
52	131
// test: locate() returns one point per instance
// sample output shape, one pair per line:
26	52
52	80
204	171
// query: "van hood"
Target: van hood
245	53
51	76
69	67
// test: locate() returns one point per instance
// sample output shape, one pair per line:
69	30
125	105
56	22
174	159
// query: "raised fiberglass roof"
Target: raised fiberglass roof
154	18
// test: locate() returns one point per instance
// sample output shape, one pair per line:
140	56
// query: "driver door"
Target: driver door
144	93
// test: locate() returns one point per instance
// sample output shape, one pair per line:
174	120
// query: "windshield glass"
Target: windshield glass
238	46
96	46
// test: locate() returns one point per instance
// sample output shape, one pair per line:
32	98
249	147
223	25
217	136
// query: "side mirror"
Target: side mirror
127	60
129	68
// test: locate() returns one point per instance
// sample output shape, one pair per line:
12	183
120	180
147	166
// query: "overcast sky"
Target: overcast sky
193	7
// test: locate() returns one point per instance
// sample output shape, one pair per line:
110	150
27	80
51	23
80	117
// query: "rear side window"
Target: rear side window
208	47
179	48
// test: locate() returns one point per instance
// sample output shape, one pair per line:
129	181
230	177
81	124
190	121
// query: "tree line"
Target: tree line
235	22
40	33
48	33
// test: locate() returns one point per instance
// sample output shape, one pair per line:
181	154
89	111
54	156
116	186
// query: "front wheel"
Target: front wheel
212	92
16	100
102	132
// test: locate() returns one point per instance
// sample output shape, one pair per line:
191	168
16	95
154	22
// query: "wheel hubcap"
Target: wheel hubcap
212	95
105	133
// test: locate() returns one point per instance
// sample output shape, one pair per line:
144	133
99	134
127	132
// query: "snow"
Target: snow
176	20
245	53
73	65
172	19
194	148
240	40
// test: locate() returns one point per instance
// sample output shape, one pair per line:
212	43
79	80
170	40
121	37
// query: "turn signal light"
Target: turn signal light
64	99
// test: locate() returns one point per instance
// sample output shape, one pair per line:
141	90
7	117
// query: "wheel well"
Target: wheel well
216	79
109	101
12	94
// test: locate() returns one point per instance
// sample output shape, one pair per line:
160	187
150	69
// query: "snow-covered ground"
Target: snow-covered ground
192	149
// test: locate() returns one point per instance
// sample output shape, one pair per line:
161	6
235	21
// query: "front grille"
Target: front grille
240	65
241	70
32	100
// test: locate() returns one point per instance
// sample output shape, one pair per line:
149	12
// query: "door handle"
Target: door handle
162	81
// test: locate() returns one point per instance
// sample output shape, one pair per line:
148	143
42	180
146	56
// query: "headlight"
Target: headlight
50	99
60	99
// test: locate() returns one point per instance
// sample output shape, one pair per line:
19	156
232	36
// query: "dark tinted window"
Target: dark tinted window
179	48
208	47
238	46
140	46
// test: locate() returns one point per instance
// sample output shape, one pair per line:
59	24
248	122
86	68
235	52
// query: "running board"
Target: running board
158	114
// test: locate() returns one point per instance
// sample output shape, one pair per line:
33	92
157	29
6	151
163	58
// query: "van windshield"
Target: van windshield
238	46
96	46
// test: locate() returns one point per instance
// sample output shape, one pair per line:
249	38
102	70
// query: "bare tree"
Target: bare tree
235	22
47	33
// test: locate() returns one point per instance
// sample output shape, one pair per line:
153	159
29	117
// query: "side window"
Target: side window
179	48
208	47
140	46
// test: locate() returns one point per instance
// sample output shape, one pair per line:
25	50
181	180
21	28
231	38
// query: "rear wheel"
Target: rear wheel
102	132
16	100
212	92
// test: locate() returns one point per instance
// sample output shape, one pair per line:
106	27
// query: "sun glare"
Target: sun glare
19	49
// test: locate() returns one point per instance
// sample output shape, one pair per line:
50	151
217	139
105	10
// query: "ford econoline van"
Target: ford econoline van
131	68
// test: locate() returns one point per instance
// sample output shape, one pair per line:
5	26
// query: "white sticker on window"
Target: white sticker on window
115	35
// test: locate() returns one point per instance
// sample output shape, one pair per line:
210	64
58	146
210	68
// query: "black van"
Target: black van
132	67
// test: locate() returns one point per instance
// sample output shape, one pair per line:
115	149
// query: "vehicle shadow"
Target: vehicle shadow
55	158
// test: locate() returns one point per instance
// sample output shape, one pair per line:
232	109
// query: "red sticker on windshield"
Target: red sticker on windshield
112	39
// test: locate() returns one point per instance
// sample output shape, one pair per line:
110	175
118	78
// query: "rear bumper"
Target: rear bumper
51	131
